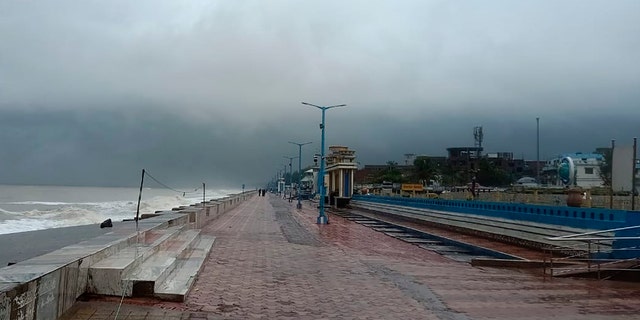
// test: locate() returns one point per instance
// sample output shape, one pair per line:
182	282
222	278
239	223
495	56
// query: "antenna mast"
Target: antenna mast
478	137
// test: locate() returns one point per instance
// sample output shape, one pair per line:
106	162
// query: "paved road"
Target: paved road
271	261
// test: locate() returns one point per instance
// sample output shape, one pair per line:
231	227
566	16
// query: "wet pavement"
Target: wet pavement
272	261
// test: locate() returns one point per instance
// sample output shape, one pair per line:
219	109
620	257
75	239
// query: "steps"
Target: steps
177	285
529	232
49	284
162	263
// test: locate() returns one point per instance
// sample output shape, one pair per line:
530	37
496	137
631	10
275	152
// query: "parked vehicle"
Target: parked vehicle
526	182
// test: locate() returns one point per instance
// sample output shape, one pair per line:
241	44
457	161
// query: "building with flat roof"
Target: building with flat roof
463	157
587	169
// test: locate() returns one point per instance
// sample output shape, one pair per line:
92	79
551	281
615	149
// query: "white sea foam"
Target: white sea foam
20	225
43	203
27	214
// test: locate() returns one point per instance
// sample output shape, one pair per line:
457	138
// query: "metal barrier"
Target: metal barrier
589	256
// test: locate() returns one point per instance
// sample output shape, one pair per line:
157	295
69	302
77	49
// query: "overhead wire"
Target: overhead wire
162	184
184	193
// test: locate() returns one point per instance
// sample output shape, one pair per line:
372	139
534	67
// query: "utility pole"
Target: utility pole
633	176
538	150
613	146
290	175
299	205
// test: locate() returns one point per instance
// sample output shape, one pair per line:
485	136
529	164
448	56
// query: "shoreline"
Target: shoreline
20	246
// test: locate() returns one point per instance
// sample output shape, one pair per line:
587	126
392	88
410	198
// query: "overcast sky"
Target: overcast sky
91	92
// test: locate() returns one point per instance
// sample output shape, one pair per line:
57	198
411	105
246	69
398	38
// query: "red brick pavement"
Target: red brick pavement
266	265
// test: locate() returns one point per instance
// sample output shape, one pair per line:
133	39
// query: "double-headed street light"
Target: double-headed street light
299	205
322	218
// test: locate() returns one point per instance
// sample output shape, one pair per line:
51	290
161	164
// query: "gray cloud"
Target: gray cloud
212	91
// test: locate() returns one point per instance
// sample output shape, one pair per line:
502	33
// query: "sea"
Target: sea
27	208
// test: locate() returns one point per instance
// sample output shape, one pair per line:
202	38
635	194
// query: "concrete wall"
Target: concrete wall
45	287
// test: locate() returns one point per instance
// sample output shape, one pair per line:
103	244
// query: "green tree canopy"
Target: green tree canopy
425	169
489	175
390	173
605	167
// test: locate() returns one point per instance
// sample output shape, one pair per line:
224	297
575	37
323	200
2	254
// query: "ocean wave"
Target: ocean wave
42	203
21	225
6	215
61	214
65	213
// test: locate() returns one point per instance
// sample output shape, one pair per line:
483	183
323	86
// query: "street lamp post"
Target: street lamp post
538	150
284	180
299	205
322	218
290	175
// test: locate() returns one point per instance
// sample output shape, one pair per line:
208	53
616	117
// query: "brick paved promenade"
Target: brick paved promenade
271	261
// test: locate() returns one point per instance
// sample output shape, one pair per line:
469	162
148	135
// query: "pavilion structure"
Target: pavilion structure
341	167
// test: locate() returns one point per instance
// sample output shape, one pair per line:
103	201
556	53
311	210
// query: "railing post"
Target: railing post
544	264
551	262
589	255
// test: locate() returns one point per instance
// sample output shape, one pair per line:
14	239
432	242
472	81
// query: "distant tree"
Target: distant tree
489	175
390	173
295	176
605	167
424	169
452	177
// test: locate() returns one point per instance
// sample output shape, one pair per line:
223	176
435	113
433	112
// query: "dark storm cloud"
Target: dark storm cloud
204	90
111	147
